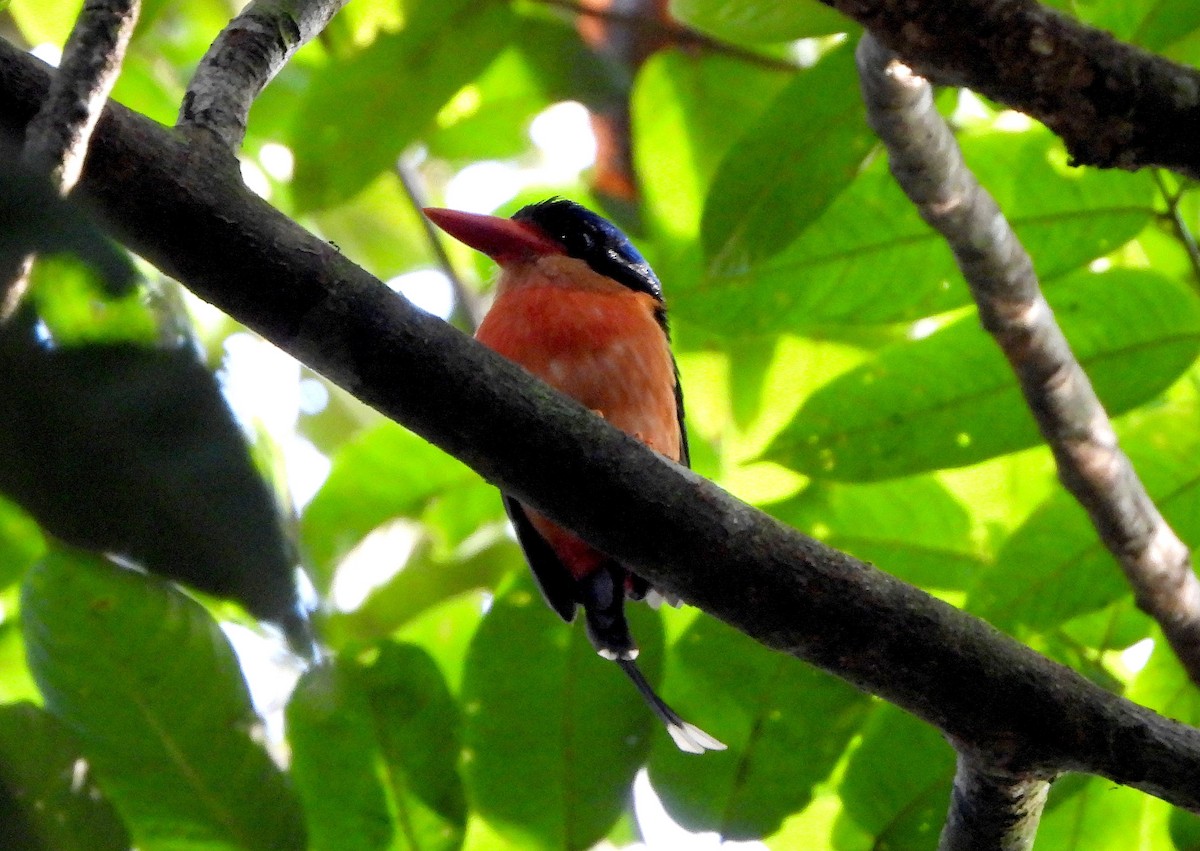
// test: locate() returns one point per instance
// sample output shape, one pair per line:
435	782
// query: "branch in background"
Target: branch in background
672	33
468	312
247	54
56	141
1114	105
928	165
1024	713
992	810
1182	232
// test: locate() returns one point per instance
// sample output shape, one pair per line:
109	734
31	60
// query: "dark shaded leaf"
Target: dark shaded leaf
554	733
146	680
130	450
375	749
48	799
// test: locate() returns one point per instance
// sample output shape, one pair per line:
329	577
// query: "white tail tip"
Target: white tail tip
691	739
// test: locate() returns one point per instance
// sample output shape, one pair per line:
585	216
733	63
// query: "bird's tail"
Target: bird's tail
687	737
603	598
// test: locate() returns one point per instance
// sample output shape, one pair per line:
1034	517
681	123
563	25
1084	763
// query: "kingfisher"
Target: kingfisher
578	306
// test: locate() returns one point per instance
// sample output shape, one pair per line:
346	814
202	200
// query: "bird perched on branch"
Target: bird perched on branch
579	307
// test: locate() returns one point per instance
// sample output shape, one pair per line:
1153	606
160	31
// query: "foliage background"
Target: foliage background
835	373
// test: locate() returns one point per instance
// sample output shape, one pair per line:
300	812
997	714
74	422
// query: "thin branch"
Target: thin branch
674	33
992	811
928	165
247	54
1114	105
1024	713
56	141
1182	232
467	309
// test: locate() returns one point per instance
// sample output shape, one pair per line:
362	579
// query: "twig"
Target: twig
928	165
56	141
991	810
247	54
681	532
1114	105
1182	231
467	310
675	34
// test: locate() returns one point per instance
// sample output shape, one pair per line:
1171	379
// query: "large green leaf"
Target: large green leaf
360	113
383	473
762	20
48	798
145	434
554	733
786	169
785	724
870	259
897	785
1054	567
912	528
146	680
1101	816
950	399
1166	22
375	749
688	110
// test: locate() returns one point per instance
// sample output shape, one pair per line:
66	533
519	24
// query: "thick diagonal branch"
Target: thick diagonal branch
792	593
927	163
247	54
56	141
1114	105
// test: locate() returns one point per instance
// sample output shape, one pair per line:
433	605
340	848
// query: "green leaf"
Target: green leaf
869	258
146	680
541	706
375	749
383	473
950	399
147	436
360	113
1054	567
785	170
912	528
1102	816
1166	22
72	302
48	22
785	723
688	110
762	20
424	581
48	798
16	682
21	543
897	785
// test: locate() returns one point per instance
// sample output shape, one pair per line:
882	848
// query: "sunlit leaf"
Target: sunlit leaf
786	170
762	20
951	399
785	724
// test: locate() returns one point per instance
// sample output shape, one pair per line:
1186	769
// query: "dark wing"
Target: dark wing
557	584
685	457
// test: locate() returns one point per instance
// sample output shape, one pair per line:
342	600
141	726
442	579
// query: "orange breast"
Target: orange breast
598	342
602	348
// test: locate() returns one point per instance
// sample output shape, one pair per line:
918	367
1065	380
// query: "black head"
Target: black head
594	240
